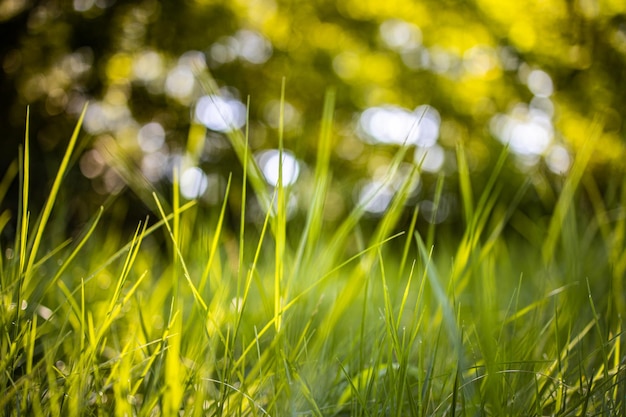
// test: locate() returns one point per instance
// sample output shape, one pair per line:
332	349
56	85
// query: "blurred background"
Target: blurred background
542	76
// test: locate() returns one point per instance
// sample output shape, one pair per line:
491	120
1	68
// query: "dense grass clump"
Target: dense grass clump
291	318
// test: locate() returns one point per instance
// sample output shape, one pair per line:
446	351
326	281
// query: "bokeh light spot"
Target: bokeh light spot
291	116
269	163
247	45
441	61
347	65
224	52
528	132
396	125
83	5
430	158
180	82
540	83
220	114
112	182
92	164
480	60
435	213
558	160
119	67
193	183
400	35
101	117
375	196
253	47
153	165
151	137
148	66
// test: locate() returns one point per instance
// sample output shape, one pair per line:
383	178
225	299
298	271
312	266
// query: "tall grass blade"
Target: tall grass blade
465	184
47	210
9	175
322	176
25	217
281	219
566	197
442	298
196	294
213	251
237	139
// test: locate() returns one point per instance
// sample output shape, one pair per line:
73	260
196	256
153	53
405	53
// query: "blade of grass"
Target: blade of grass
430	237
174	372
566	198
52	198
596	319
440	295
354	284
75	252
293	301
244	189
251	272
315	212
126	167
216	239
465	184
339	237
25	195
237	139
126	248
281	219
9	175
196	295
409	238
354	392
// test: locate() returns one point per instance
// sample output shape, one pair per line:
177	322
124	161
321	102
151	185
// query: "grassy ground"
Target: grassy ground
290	318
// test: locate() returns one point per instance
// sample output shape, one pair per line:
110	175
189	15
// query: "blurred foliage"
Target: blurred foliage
539	75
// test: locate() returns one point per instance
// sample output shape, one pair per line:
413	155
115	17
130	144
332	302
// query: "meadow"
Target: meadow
292	318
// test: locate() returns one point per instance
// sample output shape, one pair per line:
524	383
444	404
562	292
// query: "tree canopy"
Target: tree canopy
542	77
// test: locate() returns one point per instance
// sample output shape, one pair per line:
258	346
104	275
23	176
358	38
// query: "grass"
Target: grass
294	318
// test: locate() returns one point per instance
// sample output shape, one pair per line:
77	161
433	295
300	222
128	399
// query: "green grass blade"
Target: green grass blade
9	176
25	217
465	183
280	220
76	251
213	252
440	295
315	212
430	237
196	294
52	197
566	197
237	139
